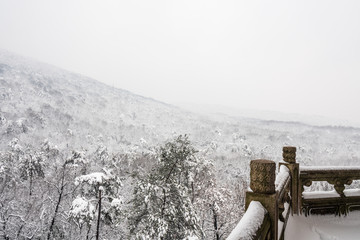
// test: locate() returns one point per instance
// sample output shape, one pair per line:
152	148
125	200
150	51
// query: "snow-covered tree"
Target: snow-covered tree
162	207
61	181
99	198
31	166
217	206
102	154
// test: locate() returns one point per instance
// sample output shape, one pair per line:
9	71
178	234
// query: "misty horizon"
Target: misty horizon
287	57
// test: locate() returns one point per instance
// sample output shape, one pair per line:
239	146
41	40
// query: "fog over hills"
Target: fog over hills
315	120
43	101
39	101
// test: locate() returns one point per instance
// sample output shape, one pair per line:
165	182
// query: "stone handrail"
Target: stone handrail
273	192
339	201
255	224
283	193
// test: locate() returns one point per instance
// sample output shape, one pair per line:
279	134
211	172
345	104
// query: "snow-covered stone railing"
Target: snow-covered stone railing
338	201
253	224
283	193
273	193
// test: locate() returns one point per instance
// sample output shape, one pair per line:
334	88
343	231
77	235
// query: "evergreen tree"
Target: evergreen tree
162	207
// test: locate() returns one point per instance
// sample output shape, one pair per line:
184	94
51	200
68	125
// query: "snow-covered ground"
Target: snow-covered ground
324	227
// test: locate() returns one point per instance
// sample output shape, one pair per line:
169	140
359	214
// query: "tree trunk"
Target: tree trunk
164	203
19	231
31	181
99	217
216	224
4	235
57	205
88	232
192	192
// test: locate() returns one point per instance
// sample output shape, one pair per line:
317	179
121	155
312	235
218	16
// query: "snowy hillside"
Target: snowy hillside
42	101
58	127
39	102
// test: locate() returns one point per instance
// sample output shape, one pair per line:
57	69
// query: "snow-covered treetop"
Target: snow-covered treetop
82	210
104	181
96	178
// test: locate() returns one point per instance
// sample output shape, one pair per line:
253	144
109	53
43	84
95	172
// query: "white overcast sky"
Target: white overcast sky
288	56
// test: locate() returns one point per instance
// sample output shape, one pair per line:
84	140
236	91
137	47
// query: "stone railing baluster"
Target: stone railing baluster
262	184
289	157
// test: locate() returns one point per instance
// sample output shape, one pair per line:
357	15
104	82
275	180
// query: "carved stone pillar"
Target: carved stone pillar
262	176
289	154
262	184
289	157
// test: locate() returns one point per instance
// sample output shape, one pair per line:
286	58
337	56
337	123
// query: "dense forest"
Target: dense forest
168	193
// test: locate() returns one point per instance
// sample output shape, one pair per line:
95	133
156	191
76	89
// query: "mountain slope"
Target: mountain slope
39	101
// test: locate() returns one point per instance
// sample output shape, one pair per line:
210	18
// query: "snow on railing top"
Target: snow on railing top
329	168
282	178
250	223
273	197
320	194
339	200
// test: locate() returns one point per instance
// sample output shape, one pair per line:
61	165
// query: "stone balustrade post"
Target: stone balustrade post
289	157
262	184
